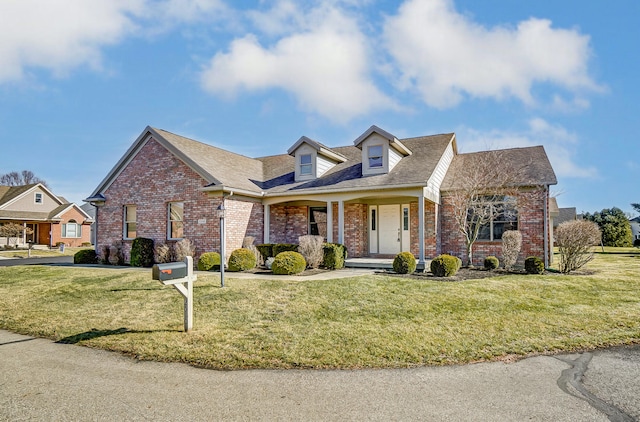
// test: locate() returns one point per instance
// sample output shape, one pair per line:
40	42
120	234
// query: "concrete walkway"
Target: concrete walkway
42	380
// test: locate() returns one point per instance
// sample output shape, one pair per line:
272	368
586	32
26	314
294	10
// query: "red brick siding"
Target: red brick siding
530	224
56	230
430	229
356	231
288	223
152	179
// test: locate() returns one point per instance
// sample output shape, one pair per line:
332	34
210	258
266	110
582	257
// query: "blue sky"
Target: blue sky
80	80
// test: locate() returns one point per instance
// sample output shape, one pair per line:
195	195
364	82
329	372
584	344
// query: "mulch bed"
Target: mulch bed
463	274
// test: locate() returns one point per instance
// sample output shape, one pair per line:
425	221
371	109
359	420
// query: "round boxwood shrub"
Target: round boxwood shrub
404	263
241	260
534	265
444	265
142	252
287	263
209	261
491	263
85	256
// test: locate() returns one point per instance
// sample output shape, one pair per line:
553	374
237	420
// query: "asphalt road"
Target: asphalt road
36	261
42	380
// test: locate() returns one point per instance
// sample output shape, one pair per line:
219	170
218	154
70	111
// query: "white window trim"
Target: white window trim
35	198
381	156
65	230
308	165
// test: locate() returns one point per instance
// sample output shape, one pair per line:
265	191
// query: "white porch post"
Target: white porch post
329	222
24	233
267	222
341	222
421	229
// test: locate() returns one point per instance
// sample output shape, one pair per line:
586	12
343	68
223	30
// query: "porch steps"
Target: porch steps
376	263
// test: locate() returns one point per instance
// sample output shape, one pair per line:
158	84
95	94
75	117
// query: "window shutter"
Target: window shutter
64	230
79	234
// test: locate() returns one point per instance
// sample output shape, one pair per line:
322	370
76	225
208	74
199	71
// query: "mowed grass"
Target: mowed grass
365	322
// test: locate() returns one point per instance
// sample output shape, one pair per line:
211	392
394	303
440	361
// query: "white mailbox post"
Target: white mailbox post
179	275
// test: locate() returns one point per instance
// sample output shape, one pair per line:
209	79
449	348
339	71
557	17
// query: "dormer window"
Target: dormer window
306	166
375	156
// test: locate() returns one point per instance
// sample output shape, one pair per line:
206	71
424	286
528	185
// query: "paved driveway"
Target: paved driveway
35	261
42	380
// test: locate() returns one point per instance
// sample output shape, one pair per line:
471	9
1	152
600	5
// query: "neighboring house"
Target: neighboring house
91	212
51	218
635	229
378	196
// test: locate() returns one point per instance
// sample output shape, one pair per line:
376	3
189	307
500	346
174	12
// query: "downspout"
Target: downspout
546	226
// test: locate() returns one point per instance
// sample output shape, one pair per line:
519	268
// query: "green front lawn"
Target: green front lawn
36	253
376	321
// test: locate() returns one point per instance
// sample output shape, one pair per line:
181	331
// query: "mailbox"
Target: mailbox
169	271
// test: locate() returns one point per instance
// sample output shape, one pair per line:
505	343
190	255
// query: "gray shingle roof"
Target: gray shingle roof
7	193
534	160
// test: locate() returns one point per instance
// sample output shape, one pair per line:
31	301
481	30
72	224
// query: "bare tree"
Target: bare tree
13	231
486	187
26	177
575	239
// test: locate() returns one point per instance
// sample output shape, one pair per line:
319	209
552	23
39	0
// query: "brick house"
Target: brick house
378	196
51	218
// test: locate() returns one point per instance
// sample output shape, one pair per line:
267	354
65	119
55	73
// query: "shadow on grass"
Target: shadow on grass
94	333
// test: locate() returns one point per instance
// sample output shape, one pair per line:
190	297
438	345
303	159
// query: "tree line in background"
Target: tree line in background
614	225
25	177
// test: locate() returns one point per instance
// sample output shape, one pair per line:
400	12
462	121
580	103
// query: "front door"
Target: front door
389	229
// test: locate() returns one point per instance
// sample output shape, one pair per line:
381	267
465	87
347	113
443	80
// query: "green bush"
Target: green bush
85	256
404	263
445	265
241	260
334	255
209	261
284	247
491	263
142	252
534	265
266	250
288	262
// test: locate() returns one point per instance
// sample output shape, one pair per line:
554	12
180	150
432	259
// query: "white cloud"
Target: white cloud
560	145
60	34
446	56
323	61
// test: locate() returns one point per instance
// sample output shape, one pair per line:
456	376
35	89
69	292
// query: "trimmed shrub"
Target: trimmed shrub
209	261
266	250
116	257
334	255
511	244
241	260
491	263
311	249
284	247
142	252
534	265
86	244
404	263
459	261
182	249
444	265
85	256
288	263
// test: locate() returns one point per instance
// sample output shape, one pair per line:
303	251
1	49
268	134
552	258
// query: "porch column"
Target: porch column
341	222
267	222
421	229
329	222
24	233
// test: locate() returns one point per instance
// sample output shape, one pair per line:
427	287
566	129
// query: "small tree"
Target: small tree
311	249
574	240
483	180
614	225
13	231
511	244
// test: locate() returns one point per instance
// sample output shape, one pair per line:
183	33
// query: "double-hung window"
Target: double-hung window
175	224
37	198
306	168
503	216
375	156
130	222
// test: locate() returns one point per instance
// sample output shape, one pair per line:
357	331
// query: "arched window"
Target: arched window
72	229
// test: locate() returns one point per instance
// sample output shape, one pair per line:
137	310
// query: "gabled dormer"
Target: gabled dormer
313	159
381	151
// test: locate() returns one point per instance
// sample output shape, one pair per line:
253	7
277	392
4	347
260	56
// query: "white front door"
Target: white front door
389	229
